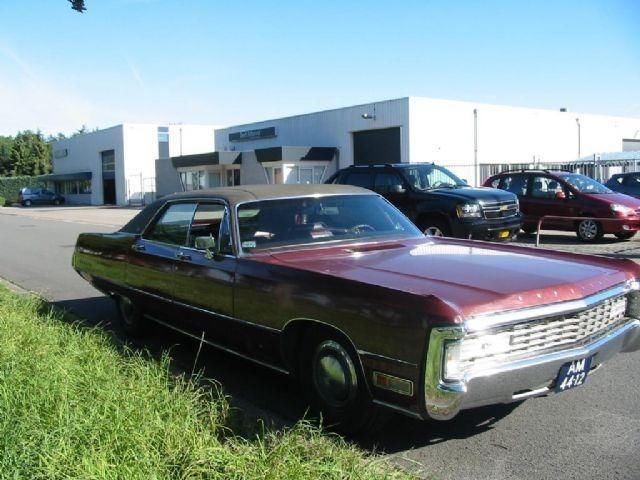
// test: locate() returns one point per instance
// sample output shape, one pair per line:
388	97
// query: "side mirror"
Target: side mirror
397	189
560	196
208	244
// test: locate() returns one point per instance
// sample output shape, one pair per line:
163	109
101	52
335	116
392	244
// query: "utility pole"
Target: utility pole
475	147
578	123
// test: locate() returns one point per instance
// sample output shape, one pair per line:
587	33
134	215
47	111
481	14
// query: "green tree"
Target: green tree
30	154
6	145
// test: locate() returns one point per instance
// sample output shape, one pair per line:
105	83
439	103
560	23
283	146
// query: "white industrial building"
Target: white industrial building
117	165
474	140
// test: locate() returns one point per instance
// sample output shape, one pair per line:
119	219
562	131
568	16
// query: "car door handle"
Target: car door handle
138	247
183	256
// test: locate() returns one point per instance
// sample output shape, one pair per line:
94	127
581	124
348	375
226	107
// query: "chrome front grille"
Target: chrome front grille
547	334
500	209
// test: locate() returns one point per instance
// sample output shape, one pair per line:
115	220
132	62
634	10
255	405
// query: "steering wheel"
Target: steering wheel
362	227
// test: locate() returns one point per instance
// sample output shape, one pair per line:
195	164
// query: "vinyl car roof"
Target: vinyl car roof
240	194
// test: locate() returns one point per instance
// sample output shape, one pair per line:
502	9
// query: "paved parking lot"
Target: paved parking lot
590	432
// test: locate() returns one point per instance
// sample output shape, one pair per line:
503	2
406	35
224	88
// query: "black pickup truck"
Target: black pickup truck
437	201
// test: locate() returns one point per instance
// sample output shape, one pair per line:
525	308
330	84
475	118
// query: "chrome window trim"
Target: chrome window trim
492	320
241	252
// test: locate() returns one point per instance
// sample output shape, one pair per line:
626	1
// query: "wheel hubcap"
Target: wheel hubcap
588	229
334	375
433	232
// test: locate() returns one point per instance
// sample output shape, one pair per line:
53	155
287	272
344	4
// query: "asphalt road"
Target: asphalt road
591	432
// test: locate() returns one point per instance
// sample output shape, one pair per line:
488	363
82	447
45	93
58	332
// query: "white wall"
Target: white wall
83	155
136	150
331	128
442	131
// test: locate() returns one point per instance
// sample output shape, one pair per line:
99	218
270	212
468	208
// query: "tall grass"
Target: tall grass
72	405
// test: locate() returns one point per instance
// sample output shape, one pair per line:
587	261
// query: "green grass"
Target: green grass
74	405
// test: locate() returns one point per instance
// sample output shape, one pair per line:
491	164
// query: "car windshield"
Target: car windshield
306	220
584	184
428	177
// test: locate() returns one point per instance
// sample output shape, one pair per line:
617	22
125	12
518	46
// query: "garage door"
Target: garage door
376	146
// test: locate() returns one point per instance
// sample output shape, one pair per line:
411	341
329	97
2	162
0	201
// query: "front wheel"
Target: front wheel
624	235
56	202
334	384
27	203
435	228
589	230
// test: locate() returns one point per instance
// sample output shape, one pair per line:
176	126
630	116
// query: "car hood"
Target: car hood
481	194
472	277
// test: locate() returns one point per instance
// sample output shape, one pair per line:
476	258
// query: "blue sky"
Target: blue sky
222	63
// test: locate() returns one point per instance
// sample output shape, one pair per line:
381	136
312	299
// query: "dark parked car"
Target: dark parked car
566	194
32	196
627	183
334	285
437	201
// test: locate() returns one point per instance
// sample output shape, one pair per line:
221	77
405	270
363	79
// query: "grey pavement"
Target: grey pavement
591	432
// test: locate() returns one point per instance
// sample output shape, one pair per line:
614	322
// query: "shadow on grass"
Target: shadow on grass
255	392
262	398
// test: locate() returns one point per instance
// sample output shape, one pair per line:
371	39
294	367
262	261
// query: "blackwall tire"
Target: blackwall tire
589	230
132	321
333	382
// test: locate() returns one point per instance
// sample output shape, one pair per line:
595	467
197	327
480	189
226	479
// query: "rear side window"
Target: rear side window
516	184
359	179
545	187
173	226
387	182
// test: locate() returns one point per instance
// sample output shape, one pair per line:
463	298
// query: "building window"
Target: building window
163	142
73	187
108	161
194	180
274	175
233	177
214	179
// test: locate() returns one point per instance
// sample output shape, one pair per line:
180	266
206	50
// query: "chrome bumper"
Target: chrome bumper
512	381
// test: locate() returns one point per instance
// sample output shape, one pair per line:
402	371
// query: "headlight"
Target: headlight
460	355
469	210
517	205
617	208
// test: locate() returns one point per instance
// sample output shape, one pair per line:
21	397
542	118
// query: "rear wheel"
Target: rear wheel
334	383
624	235
131	318
589	230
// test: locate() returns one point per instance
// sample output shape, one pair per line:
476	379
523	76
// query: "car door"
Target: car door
204	275
394	189
547	196
153	259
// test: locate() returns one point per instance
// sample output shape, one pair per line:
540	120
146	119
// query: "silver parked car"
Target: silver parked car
33	195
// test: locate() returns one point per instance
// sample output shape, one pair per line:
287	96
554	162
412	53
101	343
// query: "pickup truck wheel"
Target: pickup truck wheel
131	319
434	228
624	235
334	383
589	230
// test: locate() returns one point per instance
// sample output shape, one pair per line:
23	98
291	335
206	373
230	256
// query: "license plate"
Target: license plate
573	374
503	234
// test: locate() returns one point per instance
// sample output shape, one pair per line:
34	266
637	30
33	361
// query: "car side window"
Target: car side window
386	182
173	225
516	184
631	181
545	187
359	179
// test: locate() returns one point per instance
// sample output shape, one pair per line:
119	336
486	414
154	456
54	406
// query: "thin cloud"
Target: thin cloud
135	73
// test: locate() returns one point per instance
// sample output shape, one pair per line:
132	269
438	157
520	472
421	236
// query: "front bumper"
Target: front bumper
513	381
483	229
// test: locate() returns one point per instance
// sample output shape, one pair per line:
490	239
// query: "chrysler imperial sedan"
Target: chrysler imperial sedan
332	284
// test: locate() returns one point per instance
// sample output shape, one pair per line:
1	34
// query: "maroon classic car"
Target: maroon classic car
333	284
